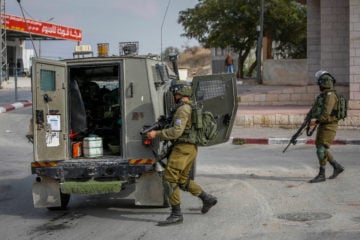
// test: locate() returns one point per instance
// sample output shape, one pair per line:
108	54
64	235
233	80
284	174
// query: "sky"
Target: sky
109	21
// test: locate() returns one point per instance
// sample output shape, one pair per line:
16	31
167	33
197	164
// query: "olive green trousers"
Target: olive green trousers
180	161
325	135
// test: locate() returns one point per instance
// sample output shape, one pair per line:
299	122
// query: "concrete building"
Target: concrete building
334	43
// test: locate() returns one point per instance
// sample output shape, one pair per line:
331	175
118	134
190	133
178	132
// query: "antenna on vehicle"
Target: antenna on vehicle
162	24
27	27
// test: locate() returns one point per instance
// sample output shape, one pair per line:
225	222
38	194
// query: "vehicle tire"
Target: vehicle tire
65	198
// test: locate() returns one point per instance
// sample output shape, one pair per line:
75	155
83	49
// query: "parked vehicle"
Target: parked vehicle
87	118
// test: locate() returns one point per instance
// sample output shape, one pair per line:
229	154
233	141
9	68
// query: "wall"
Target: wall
328	38
218	56
285	72
354	102
313	37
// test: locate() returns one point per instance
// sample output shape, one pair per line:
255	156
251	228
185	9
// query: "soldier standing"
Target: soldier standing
182	157
323	114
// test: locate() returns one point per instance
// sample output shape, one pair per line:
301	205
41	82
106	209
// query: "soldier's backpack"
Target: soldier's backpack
204	125
342	107
203	129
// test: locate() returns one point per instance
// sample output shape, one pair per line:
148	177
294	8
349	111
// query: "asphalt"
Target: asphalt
12	98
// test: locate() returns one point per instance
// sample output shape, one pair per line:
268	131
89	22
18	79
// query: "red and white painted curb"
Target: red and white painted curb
272	141
13	106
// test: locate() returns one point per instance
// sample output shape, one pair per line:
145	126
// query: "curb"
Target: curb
14	106
283	141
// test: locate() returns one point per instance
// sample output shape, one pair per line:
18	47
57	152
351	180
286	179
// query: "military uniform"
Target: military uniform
328	124
323	111
182	157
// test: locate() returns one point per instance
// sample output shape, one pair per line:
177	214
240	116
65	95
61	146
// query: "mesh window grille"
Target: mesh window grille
211	89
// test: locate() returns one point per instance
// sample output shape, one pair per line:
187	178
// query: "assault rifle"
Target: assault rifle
309	130
161	123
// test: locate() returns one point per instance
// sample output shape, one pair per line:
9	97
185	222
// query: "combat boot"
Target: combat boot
175	217
208	201
337	169
320	177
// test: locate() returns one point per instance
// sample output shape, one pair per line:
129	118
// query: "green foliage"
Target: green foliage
285	22
233	23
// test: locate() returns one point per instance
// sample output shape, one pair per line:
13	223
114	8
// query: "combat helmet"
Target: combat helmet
181	87
325	79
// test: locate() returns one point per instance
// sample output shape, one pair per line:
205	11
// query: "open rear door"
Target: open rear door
218	94
49	110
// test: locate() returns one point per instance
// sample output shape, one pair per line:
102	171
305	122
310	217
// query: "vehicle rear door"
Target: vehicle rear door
49	109
218	94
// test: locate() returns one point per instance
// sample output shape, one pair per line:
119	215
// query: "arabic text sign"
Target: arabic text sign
16	23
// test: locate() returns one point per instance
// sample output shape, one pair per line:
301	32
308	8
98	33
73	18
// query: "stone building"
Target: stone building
334	43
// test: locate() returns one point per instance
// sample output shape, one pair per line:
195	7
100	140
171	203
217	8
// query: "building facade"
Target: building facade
334	43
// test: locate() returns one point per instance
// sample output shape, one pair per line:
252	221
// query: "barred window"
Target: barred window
210	89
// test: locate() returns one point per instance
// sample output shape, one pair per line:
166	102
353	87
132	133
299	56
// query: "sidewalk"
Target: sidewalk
264	135
10	98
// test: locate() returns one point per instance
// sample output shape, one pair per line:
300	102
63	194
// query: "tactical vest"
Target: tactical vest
318	107
340	110
203	127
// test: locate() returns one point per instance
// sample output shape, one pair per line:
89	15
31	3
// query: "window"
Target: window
47	80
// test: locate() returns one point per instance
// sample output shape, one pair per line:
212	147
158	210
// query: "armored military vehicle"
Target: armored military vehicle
87	117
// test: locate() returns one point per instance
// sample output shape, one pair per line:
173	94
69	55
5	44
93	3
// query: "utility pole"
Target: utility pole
50	19
162	25
3	49
260	29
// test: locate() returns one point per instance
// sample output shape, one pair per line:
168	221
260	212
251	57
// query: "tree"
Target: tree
233	23
285	23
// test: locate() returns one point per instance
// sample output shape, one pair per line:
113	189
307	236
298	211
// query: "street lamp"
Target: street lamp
50	19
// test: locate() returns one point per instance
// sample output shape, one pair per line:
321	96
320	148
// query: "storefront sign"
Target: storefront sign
16	23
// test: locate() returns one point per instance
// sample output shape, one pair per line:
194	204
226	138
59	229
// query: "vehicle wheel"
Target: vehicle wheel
65	198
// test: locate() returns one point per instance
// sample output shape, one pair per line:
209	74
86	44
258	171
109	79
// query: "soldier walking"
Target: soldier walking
182	157
323	113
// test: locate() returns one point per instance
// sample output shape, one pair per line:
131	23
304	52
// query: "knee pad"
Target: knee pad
321	154
169	187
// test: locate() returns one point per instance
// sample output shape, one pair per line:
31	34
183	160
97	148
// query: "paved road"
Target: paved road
263	194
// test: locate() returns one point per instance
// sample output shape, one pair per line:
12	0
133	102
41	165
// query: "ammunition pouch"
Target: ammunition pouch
187	137
318	107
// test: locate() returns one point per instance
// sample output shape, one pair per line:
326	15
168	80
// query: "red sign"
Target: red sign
47	29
